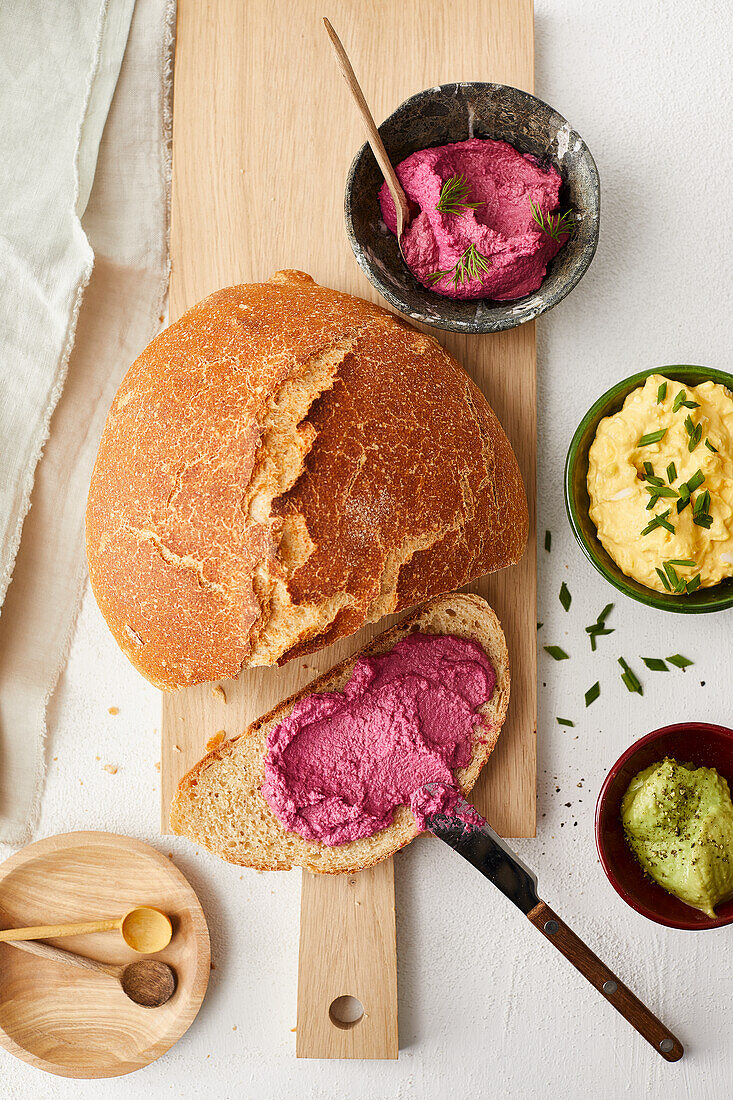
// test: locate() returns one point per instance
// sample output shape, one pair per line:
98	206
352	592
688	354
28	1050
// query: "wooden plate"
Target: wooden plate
73	1022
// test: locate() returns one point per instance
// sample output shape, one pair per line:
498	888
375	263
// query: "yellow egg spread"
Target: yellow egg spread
660	482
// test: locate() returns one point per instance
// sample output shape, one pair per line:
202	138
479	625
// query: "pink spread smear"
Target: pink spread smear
341	762
502	228
438	799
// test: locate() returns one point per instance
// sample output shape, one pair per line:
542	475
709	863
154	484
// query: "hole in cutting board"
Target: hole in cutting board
346	1012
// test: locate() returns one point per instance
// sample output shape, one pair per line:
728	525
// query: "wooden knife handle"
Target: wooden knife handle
606	982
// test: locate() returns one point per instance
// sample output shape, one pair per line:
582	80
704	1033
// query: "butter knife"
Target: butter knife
474	839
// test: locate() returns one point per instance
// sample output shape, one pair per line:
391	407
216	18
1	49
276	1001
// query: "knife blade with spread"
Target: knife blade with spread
467	833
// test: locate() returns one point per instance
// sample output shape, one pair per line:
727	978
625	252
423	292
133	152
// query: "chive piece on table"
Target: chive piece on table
540	625
679	661
548	540
652	437
564	722
592	693
565	598
629	677
656	664
556	653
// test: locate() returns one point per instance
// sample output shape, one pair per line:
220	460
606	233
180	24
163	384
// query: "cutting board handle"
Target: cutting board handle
605	981
347	971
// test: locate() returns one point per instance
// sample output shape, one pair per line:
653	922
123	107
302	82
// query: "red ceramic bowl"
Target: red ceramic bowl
689	742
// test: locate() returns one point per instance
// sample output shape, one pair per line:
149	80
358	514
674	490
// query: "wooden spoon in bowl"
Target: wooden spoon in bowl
148	982
404	209
144	929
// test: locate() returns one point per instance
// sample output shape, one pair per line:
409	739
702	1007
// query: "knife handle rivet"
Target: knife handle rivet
551	927
666	1045
610	988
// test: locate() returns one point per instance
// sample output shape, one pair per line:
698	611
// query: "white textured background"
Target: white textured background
486	1009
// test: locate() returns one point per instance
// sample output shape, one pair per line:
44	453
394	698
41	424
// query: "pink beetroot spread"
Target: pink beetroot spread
341	762
502	228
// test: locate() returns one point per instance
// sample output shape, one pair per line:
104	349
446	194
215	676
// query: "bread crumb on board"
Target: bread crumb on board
111	768
217	739
113	710
219	692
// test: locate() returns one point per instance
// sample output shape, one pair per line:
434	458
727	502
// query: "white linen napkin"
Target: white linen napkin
85	171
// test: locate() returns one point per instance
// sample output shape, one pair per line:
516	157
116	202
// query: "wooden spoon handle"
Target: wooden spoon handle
606	982
51	931
370	127
47	951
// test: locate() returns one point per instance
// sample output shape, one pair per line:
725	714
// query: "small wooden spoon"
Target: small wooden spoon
404	209
145	930
147	982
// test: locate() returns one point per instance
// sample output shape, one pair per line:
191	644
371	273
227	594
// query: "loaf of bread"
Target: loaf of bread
282	465
220	804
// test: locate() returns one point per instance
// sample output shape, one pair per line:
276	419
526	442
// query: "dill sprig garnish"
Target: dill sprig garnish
552	225
454	197
471	265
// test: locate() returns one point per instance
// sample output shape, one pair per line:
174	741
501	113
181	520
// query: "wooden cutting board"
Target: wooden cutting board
263	136
77	1023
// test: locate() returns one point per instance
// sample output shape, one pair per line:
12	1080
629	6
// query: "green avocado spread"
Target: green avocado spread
678	821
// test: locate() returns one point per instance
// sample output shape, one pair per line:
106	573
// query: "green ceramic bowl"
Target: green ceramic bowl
577	503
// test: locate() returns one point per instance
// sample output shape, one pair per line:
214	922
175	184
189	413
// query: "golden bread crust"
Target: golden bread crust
281	465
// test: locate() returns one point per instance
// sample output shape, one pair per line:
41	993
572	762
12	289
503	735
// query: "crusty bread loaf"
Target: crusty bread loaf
219	803
280	466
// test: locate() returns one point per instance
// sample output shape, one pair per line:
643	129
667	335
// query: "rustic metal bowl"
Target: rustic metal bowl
456	112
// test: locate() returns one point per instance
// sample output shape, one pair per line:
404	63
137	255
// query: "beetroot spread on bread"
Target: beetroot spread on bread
340	764
281	465
220	803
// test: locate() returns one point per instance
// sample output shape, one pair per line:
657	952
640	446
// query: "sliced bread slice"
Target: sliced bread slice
219	803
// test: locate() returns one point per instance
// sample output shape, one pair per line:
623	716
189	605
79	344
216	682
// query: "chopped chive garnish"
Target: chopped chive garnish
565	598
703	520
564	722
681	399
679	661
659	521
684	498
671	473
669	569
695	481
694	583
556	653
681	561
656	664
605	613
540	625
661	490
629	677
654	481
694	431
652	437
648	469
548	540
663	578
661	393
710	447
592	693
